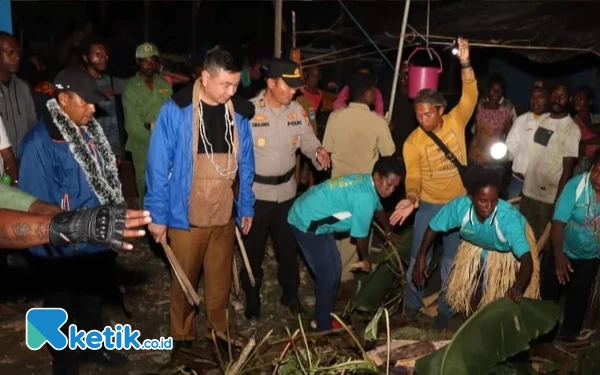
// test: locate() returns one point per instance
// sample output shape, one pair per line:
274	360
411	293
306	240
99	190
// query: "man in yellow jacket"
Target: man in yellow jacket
432	180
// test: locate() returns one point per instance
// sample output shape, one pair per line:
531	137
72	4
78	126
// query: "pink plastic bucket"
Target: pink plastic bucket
422	77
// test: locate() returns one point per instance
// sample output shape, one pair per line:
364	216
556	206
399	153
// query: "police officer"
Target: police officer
280	127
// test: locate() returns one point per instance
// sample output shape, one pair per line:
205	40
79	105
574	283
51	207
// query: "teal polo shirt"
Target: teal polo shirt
579	241
342	204
504	230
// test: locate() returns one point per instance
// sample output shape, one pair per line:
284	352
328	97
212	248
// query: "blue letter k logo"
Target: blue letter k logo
43	325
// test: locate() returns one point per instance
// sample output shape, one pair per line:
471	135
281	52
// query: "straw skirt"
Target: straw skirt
495	275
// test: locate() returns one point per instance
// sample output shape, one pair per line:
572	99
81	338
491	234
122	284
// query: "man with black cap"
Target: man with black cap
279	128
66	160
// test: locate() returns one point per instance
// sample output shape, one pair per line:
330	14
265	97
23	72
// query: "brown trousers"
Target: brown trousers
211	250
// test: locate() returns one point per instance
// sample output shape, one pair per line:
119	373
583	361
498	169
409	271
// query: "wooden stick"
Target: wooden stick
184	282
544	238
238	235
400	265
285	350
310	335
516	200
236	278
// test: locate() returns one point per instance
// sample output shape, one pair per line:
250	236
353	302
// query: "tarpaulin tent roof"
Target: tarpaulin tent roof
571	24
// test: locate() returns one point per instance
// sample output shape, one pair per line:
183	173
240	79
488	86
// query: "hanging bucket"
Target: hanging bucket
422	77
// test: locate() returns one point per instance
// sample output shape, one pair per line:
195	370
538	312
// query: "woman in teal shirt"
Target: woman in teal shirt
575	238
496	243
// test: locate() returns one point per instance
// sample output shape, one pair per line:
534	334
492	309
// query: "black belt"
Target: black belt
275	180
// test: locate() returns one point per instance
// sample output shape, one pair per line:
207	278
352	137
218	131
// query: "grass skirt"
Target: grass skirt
496	275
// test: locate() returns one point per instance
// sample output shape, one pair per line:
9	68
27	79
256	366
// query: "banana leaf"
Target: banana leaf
375	286
498	331
371	330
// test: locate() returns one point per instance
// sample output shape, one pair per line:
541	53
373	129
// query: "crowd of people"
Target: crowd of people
211	166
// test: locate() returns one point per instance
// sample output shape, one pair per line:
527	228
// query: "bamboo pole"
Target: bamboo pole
194	25
236	278
398	61
147	20
188	290
350	57
238	236
278	27
510	46
516	200
332	53
544	238
293	29
365	32
322	30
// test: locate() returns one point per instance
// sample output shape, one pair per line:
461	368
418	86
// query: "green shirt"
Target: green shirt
15	199
577	207
141	106
342	204
504	230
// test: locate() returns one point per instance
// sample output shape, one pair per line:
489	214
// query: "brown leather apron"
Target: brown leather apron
211	198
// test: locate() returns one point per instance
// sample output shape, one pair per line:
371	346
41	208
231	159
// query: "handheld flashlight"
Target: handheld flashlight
455	48
498	150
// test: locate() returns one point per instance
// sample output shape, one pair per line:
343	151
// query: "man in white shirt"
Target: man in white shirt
552	158
520	137
8	162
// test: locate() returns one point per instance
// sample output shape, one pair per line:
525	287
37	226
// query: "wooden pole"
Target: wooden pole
348	57
398	61
238	236
195	8
293	29
103	5
188	290
278	27
146	20
21	34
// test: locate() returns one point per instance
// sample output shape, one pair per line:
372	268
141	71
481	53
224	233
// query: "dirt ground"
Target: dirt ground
147	282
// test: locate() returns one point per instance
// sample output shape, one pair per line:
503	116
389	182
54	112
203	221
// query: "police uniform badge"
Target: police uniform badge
261	103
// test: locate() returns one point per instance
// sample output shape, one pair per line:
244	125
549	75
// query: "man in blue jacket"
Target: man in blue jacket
198	147
66	160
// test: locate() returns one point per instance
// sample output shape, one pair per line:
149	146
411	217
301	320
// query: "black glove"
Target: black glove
101	225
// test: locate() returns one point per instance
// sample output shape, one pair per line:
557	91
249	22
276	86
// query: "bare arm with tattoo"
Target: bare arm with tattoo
22	230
